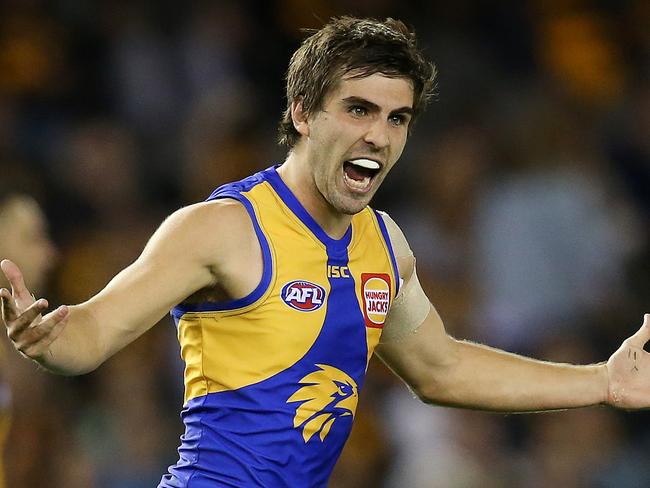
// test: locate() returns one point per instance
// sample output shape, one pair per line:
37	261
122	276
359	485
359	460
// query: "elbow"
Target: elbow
438	395
424	396
430	390
437	384
67	371
69	367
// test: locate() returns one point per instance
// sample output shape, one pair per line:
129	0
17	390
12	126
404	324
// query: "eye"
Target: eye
358	111
397	119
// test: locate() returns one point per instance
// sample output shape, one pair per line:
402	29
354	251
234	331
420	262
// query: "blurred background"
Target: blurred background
524	192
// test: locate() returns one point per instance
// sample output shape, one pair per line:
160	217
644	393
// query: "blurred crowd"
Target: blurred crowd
524	192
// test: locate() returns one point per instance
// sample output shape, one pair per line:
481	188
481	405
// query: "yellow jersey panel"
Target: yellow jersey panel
272	380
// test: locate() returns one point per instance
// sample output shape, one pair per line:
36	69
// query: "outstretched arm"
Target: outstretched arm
448	371
180	258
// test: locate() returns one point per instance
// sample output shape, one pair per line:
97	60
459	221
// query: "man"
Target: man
285	280
28	244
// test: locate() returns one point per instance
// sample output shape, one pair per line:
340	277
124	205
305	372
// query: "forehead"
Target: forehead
384	91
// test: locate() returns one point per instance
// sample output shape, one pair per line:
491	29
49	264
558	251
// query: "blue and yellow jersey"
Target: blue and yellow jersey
272	380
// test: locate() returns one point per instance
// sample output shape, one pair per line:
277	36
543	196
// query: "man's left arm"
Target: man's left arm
447	371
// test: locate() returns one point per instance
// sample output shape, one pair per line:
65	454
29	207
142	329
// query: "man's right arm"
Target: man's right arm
187	253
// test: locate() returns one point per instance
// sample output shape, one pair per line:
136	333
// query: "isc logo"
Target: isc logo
337	271
303	295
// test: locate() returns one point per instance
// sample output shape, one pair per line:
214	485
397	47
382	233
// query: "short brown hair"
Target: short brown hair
363	46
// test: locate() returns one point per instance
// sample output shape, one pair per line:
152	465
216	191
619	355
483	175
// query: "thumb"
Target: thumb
642	335
21	294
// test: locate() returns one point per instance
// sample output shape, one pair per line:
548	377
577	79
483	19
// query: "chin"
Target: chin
348	203
351	211
352	207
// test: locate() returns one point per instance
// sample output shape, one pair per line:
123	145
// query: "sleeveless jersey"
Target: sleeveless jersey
272	380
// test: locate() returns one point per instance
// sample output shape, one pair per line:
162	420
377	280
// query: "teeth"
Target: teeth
365	163
357	185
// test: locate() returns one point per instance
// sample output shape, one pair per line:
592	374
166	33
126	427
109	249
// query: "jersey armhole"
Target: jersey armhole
389	246
267	268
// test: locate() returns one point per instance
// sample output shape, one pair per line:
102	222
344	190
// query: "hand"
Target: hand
30	332
628	371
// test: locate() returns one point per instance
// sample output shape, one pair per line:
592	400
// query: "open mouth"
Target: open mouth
358	173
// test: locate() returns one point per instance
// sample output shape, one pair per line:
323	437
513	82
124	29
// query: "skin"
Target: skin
28	243
361	117
446	371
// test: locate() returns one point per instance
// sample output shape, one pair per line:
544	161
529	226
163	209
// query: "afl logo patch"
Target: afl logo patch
375	291
303	295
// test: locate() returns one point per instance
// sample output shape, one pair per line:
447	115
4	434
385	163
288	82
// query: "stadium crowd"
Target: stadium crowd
524	192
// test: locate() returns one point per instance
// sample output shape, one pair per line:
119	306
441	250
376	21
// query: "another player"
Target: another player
25	240
283	284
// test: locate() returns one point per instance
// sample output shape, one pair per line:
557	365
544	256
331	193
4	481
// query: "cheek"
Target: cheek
398	145
334	137
334	129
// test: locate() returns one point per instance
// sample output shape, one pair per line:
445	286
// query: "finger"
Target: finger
9	310
642	335
56	329
18	288
35	340
16	326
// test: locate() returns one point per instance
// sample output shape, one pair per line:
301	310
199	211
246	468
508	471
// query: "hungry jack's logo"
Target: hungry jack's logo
375	292
327	394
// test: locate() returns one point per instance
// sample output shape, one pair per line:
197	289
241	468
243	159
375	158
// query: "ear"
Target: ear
299	118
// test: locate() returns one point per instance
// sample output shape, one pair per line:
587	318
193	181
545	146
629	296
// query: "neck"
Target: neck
296	175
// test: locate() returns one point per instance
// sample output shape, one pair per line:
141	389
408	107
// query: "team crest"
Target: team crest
303	295
327	394
375	292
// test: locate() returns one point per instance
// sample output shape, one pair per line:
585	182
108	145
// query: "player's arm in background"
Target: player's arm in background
446	371
191	250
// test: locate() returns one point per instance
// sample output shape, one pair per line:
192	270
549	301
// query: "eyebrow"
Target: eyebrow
362	101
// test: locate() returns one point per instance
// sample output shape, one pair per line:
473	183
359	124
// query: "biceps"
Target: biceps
141	294
147	289
419	356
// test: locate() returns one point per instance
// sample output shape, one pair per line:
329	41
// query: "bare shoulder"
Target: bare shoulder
397	238
206	232
221	235
227	226
223	212
401	248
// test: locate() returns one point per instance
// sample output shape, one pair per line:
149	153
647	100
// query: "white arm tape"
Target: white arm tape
408	310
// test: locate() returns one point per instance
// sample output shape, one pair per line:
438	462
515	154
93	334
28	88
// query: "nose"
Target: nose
377	134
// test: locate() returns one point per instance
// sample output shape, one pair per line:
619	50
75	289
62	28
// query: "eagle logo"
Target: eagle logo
325	395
